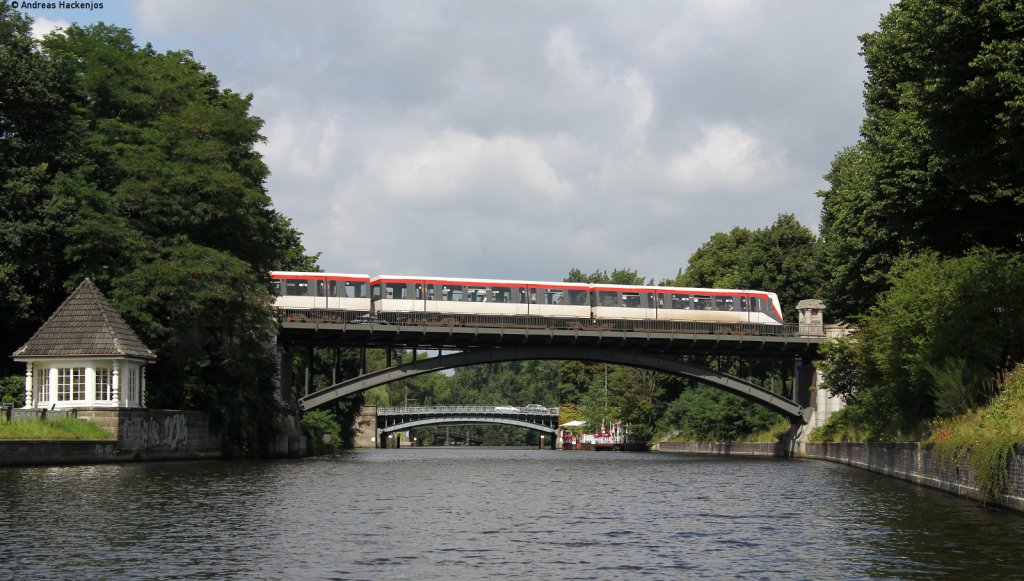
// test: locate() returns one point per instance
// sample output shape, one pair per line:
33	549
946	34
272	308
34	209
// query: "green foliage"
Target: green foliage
623	276
958	387
944	105
12	390
780	258
316	424
134	168
57	429
708	414
934	344
939	310
983	439
841	371
776	433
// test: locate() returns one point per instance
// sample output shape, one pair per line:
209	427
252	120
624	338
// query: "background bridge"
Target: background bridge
400	419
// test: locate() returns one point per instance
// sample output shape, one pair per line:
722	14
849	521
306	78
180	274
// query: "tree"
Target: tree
946	331
622	276
944	108
709	414
135	168
780	258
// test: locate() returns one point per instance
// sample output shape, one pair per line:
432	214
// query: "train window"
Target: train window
430	292
533	296
376	291
724	303
680	301
631	300
355	290
650	301
476	294
577	297
451	293
397	290
703	303
275	287
296	287
608	298
743	304
326	288
552	297
501	295
522	295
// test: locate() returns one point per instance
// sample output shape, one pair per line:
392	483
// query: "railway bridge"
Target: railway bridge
474	339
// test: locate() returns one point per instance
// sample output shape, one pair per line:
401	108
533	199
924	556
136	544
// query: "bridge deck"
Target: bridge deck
457	333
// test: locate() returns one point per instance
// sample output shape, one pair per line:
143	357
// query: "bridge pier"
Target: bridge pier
285	374
803	380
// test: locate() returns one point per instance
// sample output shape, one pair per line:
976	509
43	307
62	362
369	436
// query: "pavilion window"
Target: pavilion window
132	392
71	384
42	377
104	385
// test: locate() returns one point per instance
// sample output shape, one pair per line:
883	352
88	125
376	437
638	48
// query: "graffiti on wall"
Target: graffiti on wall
170	433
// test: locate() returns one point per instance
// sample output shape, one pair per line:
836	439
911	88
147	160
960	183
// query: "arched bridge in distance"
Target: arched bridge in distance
402	418
471	340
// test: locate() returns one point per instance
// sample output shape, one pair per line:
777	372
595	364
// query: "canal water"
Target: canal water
485	513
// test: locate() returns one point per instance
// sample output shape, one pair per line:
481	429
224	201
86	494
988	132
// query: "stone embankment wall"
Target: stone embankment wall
140	435
723	448
908	461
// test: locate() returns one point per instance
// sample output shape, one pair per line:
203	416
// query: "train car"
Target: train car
321	290
660	303
474	296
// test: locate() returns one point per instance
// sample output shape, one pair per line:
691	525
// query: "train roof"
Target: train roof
677	289
480	281
327	275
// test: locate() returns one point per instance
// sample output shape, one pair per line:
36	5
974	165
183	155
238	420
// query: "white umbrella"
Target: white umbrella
573	424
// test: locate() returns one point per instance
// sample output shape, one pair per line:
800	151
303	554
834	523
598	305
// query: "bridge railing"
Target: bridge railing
419	320
464	410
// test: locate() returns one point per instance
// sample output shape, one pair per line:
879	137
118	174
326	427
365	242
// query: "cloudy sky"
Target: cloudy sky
520	139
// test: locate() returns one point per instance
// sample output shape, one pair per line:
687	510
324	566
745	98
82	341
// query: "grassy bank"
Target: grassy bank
58	429
984	439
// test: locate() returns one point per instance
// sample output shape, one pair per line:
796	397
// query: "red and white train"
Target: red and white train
474	296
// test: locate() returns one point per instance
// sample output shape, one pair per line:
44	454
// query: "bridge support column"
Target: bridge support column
308	359
803	380
285	374
365	428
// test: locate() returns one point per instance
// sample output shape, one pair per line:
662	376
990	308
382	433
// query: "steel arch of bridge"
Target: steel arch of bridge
796	412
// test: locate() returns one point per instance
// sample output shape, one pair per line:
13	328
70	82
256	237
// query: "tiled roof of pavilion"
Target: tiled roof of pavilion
85	324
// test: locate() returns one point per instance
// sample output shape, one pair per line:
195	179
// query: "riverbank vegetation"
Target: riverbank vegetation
56	429
983	438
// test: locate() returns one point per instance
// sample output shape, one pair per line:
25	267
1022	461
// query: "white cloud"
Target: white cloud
459	166
303	146
726	157
41	25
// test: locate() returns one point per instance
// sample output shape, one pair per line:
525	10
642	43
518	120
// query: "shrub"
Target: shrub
316	424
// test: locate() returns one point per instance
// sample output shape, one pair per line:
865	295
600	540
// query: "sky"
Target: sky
522	139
